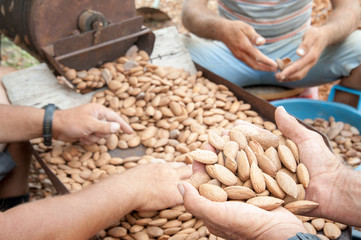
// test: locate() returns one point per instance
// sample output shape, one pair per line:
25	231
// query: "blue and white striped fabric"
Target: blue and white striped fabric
275	20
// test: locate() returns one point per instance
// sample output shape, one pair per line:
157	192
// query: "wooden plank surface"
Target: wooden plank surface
37	86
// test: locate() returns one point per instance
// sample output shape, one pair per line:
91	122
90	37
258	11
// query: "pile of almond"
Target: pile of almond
252	165
344	138
173	114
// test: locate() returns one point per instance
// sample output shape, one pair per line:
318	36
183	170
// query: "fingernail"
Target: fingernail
260	40
180	188
114	127
300	51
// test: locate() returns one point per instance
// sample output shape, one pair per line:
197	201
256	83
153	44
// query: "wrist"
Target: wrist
222	25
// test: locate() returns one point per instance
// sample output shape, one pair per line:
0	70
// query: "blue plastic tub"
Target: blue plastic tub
308	108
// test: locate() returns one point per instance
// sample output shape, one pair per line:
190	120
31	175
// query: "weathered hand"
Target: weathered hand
241	39
156	184
87	123
310	50
324	168
237	220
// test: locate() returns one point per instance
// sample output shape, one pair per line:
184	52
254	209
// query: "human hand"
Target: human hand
156	184
324	168
310	50
87	123
241	39
238	220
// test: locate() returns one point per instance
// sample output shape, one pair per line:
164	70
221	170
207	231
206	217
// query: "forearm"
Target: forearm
345	205
200	20
74	216
342	21
19	123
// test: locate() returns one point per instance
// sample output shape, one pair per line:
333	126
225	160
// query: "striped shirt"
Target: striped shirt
275	20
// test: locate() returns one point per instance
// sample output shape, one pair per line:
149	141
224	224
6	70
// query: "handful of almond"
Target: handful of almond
253	165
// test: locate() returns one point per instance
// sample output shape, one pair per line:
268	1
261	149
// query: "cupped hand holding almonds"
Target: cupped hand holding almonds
250	164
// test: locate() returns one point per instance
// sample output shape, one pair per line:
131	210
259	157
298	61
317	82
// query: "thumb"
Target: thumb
291	128
307	42
193	202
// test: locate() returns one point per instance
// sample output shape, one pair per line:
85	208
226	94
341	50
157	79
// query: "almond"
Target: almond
266	165
256	147
318	223
273	186
246	130
231	164
230	150
199	178
266	139
303	175
257	179
212	192
309	228
287	184
239	192
265	202
250	156
216	140
331	230
224	175
294	149
243	166
301	206
272	154
239	138
287	158
204	156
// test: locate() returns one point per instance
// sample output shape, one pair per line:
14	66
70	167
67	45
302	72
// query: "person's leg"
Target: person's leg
14	186
217	58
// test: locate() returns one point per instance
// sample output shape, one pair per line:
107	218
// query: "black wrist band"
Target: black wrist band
304	236
48	123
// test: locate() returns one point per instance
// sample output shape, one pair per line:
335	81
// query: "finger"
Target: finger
196	204
257	60
184	172
291	128
85	141
101	135
104	128
253	36
113	117
91	138
208	146
198	167
176	164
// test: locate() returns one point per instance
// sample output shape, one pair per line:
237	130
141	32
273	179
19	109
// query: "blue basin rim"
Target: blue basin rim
308	108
